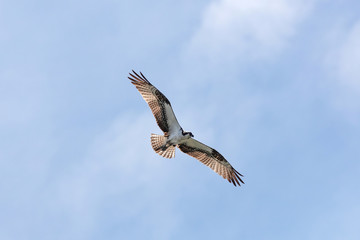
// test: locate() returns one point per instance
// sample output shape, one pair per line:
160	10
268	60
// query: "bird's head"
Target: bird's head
189	134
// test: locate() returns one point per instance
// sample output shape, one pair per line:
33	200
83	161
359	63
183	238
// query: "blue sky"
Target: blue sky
272	85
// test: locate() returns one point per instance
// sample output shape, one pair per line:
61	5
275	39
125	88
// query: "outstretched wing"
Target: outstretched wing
211	158
158	103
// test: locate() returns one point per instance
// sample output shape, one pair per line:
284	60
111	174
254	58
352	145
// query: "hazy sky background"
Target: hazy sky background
272	85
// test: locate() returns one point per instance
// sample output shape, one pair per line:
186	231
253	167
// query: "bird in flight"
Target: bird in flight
174	136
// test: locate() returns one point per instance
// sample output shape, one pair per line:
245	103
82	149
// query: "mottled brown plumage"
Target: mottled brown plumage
154	98
211	158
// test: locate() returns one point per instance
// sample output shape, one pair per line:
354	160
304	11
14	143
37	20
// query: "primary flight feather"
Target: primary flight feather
174	136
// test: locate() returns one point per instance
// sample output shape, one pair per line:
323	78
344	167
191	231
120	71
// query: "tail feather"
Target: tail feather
158	143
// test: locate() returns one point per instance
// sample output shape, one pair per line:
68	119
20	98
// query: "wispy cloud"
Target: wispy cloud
119	165
243	30
349	58
342	64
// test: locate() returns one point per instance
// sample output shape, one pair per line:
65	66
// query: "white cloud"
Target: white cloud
349	59
239	29
342	62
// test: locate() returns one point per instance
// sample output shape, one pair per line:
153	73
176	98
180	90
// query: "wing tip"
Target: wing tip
137	79
235	178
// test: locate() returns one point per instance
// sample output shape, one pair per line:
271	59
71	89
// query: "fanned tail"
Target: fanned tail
158	143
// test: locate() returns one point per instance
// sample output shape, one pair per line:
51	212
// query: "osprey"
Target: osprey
174	136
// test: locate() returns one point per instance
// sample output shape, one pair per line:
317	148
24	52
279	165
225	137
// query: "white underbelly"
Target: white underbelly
177	139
